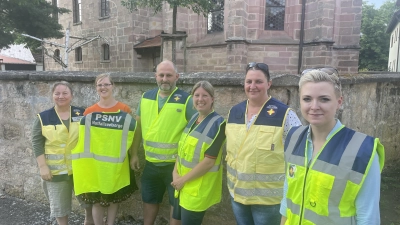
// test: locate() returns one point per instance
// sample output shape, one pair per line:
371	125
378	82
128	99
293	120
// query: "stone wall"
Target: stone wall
371	103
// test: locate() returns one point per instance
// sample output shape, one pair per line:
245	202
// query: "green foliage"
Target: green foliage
33	17
198	6
374	40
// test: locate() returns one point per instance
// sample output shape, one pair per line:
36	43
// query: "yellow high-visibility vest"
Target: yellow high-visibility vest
100	160
162	130
255	157
325	191
60	140
201	193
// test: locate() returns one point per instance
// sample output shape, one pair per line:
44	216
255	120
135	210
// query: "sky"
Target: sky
377	3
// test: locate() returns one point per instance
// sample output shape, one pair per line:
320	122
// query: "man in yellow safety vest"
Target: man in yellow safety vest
162	114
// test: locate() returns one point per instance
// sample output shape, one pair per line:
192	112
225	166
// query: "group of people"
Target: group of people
278	171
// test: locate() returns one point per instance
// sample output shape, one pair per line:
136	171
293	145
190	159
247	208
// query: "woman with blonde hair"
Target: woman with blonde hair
332	172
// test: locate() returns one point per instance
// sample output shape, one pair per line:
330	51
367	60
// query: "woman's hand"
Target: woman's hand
175	175
175	178
178	183
45	172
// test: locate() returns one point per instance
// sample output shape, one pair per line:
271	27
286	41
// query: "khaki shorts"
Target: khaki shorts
59	195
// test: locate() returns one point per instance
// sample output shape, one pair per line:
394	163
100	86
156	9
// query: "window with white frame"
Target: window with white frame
275	14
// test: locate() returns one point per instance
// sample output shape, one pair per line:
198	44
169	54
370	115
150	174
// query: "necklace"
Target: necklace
199	119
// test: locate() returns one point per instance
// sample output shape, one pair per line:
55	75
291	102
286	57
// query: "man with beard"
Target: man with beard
162	115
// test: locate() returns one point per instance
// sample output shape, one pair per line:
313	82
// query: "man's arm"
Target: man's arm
135	145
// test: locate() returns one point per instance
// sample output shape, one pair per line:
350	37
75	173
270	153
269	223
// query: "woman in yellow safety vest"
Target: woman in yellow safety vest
197	176
54	135
107	103
332	172
255	135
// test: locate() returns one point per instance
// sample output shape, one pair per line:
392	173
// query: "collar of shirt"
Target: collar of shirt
310	149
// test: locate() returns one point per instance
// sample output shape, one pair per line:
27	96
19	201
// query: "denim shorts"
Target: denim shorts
256	214
155	180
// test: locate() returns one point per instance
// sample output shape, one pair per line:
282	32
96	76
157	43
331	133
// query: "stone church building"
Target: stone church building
288	35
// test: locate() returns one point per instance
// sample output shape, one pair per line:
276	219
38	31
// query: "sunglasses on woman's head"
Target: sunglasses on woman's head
261	66
328	70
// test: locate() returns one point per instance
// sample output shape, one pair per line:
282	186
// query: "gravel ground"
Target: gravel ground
14	211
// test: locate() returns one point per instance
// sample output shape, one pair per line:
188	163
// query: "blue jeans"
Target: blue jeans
256	214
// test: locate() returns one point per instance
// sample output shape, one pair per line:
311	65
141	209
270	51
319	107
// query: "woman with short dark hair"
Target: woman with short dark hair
255	136
54	135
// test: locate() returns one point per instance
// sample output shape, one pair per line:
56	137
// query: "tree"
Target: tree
33	17
374	40
198	6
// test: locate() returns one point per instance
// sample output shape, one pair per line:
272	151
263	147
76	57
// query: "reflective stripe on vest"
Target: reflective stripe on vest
161	145
270	192
317	219
54	156
203	138
88	154
160	156
255	176
58	167
342	174
262	192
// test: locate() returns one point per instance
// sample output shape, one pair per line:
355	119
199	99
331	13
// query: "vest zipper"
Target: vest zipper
304	188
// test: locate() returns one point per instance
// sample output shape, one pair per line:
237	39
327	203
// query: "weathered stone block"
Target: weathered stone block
276	61
348	63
